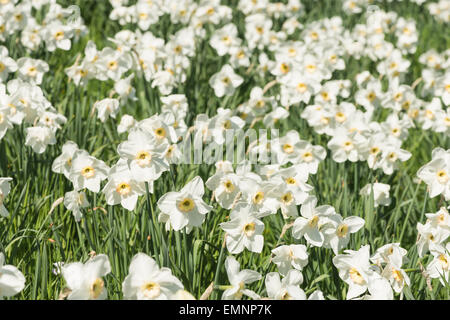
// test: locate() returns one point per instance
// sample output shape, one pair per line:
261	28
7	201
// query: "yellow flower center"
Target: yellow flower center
96	288
288	148
88	172
313	221
112	65
227	124
160	133
348	145
442	176
151	290
32	71
374	150
226	81
143	158
284	68
287	198
2	67
301	87
286	296
249	229
186	205
342	230
340	117
356	276
229	186
260	103
392	156
290	180
444	262
397	275
311	68
307	156
59	35
258	197
371	96
123	188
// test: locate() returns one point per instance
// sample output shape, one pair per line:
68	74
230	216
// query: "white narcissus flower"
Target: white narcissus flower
75	201
337	231
12	281
122	187
107	108
311	221
63	163
126	123
32	70
429	237
85	280
354	269
286	288
291	256
226	188
440	266
87	171
185	208
147	281
39	138
436	173
125	90
7	64
225	81
238	279
380	193
57	35
244	230
4	191
388	252
145	155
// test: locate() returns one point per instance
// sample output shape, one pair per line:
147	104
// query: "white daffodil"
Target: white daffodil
32	70
309	225
286	288
225	81
145	155
4	191
291	256
244	230
225	187
122	187
238	279
440	266
436	173
126	123
63	163
39	138
388	252
147	281
380	193
7	64
85	280
87	171
185	208
354	269
337	231
12	281
107	108
75	201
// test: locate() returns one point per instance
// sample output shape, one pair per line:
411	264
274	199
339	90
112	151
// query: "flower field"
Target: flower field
224	149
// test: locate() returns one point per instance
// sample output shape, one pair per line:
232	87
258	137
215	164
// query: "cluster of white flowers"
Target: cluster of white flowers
57	29
440	10
367	119
23	101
